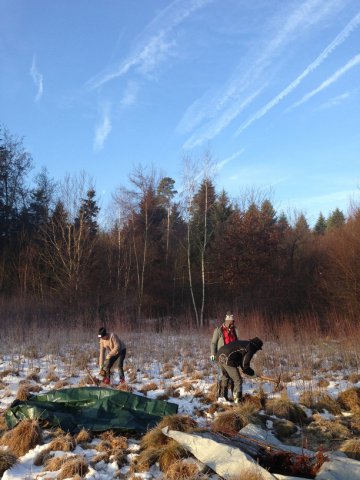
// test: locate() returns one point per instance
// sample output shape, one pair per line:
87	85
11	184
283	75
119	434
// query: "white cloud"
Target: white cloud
329	81
37	79
155	44
333	102
222	163
218	124
338	40
103	128
130	94
211	104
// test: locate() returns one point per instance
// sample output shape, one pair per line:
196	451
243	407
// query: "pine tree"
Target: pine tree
320	225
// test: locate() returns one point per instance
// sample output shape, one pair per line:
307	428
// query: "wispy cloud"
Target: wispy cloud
217	125
37	79
215	105
222	163
329	81
337	100
103	128
338	40
154	45
130	94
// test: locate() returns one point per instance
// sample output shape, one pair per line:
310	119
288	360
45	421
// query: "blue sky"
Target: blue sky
270	87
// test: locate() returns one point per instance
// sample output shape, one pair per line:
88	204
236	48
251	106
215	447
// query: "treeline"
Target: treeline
167	253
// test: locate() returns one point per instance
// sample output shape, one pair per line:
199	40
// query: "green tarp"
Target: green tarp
93	408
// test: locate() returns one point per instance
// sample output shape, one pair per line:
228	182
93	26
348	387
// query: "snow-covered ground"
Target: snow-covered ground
174	367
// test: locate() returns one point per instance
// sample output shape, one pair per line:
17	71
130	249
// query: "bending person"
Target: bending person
111	343
237	356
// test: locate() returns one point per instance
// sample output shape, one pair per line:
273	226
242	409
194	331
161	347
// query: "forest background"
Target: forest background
170	255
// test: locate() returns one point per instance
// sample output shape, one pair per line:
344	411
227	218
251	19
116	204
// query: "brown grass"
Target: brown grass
42	457
231	421
350	399
83	436
250	473
25	436
181	423
23	392
153	437
283	408
55	463
351	448
64	443
7	460
72	467
3	424
34	375
319	401
148	387
146	459
181	470
169	454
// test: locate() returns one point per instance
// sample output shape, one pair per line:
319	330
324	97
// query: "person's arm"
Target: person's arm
246	363
101	355
115	346
214	341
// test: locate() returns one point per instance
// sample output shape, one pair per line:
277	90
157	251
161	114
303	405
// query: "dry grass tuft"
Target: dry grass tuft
3	424
351	448
283	408
55	463
169	454
51	376
100	457
84	436
284	428
146	459
23	392
181	423
181	470
319	401
25	436
230	422
7	460
64	443
34	376
42	457
61	384
153	437
325	433
350	399
75	466
148	387
250	473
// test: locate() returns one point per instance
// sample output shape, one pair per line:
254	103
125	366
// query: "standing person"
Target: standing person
223	335
235	356
116	350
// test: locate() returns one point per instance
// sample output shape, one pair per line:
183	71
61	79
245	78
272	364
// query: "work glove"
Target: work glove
212	358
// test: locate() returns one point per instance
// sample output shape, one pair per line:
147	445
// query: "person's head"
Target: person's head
257	343
229	319
102	333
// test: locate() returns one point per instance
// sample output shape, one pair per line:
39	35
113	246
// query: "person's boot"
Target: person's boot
226	395
238	398
107	380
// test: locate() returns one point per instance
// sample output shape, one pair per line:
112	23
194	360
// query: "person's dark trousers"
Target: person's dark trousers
234	374
110	362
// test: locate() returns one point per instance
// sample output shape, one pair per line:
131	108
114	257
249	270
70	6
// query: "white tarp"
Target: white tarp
339	468
225	460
